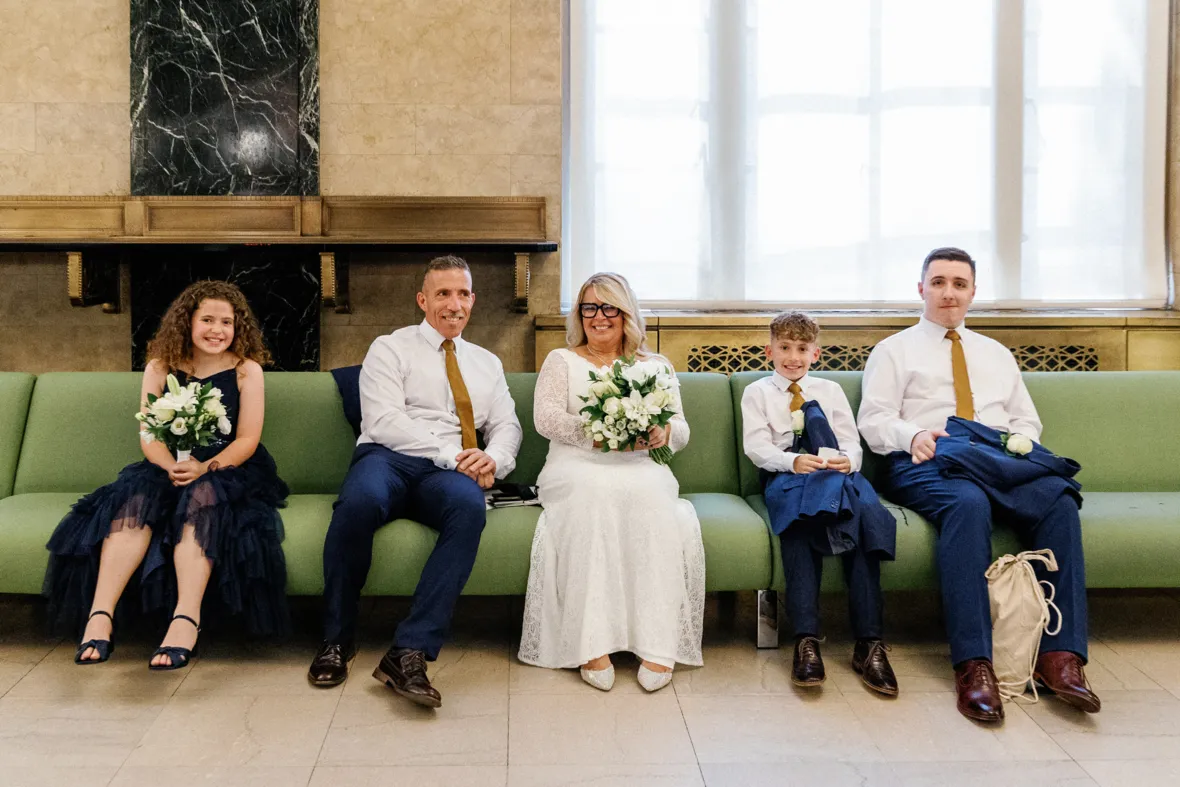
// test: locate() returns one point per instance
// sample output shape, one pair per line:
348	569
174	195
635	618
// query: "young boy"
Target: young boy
801	431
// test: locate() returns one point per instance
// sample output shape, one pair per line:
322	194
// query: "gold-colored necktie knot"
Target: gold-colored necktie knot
797	399
964	403
462	398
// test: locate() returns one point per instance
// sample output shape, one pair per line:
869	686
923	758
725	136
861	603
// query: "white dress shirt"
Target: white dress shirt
766	420
407	406
908	387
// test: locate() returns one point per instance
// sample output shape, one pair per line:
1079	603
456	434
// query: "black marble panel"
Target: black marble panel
224	97
282	285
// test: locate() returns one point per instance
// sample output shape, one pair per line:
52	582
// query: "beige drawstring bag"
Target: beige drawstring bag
1020	606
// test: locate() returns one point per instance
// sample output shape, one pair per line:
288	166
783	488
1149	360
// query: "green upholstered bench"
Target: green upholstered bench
64	434
78	434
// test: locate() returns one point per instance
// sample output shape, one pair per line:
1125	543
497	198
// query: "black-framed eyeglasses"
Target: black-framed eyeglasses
588	310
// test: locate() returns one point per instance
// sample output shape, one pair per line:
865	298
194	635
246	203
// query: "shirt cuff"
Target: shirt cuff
504	464
906	432
446	457
789	457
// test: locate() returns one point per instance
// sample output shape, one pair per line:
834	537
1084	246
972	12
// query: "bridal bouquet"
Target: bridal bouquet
183	418
626	399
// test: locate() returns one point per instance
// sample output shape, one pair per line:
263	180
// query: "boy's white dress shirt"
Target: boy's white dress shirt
407	406
908	387
766	420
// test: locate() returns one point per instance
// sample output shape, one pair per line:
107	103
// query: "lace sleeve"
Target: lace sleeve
551	414
678	437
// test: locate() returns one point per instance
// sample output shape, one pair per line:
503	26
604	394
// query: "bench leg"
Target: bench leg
768	618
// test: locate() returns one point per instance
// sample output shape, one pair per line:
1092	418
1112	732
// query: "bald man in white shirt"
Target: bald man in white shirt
425	392
913	383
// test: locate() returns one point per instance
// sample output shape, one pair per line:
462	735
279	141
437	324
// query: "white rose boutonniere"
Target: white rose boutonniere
1017	444
797	421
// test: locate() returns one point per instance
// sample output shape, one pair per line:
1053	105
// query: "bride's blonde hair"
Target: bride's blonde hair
614	290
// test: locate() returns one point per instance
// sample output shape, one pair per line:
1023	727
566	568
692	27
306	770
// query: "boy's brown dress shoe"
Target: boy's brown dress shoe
808	666
979	696
870	662
1061	672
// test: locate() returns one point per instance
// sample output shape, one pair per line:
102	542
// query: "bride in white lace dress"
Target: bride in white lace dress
617	560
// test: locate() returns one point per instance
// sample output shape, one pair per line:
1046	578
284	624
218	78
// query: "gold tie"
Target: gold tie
797	399
462	398
964	405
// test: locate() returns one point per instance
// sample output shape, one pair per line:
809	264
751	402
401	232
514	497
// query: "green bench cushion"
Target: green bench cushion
16	389
1130	539
735	545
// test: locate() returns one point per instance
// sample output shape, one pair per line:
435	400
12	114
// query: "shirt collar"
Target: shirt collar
933	329
782	383
433	337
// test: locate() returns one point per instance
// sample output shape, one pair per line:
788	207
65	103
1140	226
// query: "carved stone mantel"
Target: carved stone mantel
331	225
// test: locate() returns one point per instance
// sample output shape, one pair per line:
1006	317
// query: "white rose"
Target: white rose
215	408
1019	444
596	426
223	425
611	406
598	438
178	427
190	409
163	410
797	420
613	444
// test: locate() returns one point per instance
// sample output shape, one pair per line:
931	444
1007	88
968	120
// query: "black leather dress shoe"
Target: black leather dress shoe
808	667
870	662
404	671
330	665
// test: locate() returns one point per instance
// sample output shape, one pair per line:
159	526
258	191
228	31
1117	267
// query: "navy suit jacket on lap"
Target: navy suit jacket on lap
841	510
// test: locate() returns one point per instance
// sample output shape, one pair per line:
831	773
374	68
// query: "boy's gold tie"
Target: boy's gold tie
797	399
964	404
462	398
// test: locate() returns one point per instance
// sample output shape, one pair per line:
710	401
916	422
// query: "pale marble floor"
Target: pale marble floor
245	715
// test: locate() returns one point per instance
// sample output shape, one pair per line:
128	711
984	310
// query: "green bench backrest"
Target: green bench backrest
306	432
80	432
15	390
1096	418
1119	425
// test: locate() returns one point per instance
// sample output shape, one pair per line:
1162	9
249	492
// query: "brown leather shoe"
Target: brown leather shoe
979	696
870	662
1061	672
808	666
330	665
404	671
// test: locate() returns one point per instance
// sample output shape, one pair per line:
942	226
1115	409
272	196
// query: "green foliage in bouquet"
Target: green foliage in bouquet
183	417
627	399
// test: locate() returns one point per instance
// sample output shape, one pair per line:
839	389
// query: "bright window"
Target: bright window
730	153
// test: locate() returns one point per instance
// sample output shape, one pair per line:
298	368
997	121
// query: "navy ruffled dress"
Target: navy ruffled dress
234	513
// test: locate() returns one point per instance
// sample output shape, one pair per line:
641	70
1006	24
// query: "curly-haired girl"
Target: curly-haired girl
212	517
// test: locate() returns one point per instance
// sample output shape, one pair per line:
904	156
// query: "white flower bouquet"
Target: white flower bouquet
184	417
627	399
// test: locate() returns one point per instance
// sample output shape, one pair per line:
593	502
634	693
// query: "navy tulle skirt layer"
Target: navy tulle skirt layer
236	522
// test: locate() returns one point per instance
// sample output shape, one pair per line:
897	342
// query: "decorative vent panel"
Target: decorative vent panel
730	358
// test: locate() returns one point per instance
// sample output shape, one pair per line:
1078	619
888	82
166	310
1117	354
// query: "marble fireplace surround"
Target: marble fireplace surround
95	232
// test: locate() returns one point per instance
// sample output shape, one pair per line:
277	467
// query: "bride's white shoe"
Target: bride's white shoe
652	680
601	679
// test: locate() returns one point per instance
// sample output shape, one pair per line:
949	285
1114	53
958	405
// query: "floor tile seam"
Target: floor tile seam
328	730
147	730
687	731
32	667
